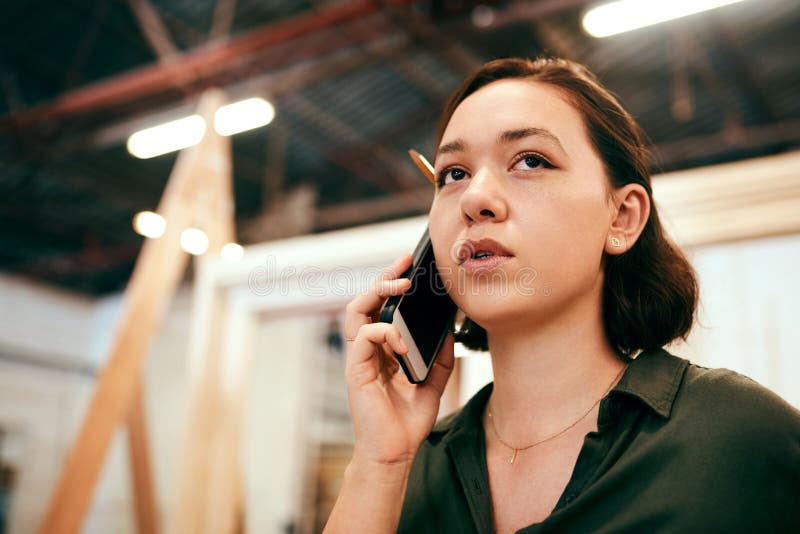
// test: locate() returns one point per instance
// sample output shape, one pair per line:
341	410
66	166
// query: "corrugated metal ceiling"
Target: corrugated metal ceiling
352	95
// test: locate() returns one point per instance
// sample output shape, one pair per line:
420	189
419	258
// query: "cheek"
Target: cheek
443	230
445	259
585	231
565	230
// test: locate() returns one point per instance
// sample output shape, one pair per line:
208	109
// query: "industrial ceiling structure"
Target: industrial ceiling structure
354	84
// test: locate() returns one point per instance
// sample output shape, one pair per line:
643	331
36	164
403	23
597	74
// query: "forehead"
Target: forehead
515	103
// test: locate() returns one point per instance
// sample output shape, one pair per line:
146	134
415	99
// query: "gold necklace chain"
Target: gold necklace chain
519	449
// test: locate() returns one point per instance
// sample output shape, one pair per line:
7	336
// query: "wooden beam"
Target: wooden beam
158	271
208	481
204	461
143	490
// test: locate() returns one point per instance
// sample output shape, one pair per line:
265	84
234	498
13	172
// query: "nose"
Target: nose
484	199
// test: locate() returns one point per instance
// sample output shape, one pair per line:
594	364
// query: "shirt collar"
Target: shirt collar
653	377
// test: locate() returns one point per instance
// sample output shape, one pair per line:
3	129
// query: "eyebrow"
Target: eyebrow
505	137
514	135
453	146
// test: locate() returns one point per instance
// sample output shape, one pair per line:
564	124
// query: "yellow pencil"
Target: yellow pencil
423	164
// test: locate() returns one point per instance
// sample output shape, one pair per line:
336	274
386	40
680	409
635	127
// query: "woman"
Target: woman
589	426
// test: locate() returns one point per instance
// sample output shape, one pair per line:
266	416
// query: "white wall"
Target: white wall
51	343
749	293
46	340
276	449
43	321
40	408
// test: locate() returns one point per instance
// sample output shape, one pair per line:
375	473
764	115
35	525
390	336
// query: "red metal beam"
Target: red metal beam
201	63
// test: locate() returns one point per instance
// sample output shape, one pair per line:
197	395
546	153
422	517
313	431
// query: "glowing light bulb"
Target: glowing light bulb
626	15
482	16
194	241
232	252
243	115
149	224
167	137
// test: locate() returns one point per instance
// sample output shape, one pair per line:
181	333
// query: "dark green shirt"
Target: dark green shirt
679	448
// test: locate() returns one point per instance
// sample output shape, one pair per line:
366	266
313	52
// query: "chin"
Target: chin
493	309
497	311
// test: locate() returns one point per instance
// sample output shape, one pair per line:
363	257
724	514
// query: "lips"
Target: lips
481	250
482	257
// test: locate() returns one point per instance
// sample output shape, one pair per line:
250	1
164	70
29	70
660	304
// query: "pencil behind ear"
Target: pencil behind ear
423	165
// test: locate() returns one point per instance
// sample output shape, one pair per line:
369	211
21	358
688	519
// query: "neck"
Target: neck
547	375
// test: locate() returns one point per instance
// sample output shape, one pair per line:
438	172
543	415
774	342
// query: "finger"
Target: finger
363	351
361	309
397	268
356	317
385	285
389	363
442	366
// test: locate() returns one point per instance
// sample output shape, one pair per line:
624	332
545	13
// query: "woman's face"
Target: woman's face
522	212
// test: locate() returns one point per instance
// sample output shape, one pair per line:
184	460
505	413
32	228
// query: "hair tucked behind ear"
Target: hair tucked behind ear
650	291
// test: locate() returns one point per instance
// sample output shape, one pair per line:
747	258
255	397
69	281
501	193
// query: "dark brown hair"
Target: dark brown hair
650	291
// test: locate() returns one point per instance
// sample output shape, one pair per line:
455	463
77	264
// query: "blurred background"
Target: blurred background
313	171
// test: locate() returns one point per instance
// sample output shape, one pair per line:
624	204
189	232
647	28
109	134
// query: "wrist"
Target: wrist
378	471
384	483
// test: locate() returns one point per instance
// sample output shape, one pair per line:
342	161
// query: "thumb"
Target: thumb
442	366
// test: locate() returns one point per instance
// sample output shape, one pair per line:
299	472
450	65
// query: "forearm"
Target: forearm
371	498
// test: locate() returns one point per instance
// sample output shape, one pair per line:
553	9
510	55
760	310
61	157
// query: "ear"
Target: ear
631	210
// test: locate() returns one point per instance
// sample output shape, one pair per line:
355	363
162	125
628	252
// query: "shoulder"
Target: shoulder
732	447
737	432
731	402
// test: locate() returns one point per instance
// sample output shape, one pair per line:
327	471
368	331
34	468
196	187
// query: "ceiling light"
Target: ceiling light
482	16
626	15
232	252
243	115
194	241
149	224
167	137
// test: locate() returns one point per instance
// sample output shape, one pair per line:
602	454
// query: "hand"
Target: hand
391	416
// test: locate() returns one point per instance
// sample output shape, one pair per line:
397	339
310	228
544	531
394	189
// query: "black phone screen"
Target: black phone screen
426	307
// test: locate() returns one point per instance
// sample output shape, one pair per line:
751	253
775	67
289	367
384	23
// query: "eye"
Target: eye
453	174
531	160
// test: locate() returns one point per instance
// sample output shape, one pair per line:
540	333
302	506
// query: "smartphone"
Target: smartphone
423	314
